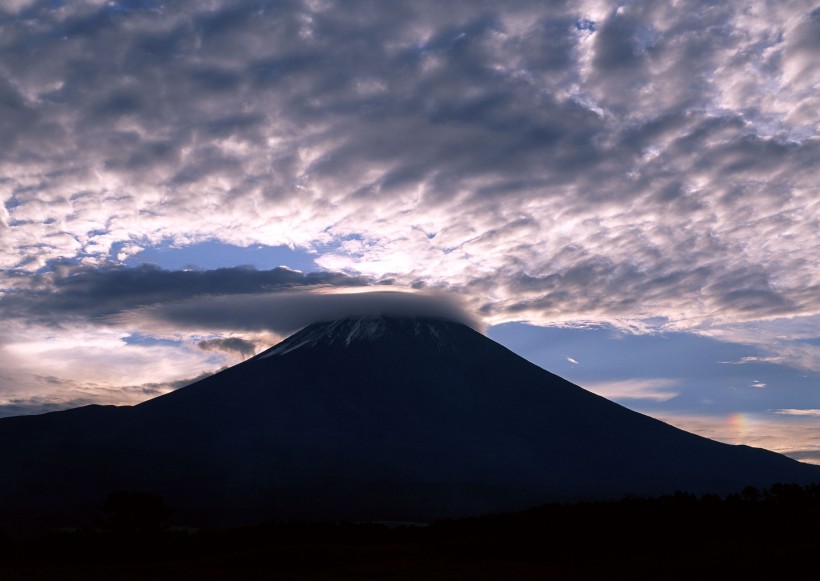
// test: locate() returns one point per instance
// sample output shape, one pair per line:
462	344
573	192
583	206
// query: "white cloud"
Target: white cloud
753	359
654	389
793	341
84	364
798	412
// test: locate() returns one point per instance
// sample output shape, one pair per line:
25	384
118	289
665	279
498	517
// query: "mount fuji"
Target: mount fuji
368	418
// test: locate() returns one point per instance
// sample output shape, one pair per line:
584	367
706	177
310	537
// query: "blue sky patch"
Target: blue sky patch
213	254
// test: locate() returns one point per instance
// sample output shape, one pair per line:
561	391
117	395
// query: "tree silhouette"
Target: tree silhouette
135	512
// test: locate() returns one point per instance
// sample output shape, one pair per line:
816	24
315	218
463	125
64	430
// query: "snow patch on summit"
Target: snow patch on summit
347	331
368	329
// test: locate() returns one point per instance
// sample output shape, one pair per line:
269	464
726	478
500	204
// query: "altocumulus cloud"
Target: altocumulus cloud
643	164
555	160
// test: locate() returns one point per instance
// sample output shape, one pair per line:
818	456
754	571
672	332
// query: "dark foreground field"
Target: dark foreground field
772	532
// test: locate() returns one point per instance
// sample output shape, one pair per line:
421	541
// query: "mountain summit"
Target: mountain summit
385	418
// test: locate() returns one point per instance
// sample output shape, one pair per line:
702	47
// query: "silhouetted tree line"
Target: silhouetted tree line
756	531
132	512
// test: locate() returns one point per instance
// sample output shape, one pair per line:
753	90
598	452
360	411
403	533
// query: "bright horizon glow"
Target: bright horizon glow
798	439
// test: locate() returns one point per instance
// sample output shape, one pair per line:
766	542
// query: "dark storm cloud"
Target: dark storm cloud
229	344
72	291
289	311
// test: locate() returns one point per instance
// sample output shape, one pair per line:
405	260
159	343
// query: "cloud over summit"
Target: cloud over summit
286	312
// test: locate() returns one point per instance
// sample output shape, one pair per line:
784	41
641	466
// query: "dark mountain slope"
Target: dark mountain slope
378	418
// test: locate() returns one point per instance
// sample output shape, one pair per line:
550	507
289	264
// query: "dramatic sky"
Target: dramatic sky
626	193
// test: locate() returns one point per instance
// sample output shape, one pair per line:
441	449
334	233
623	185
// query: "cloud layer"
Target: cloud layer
644	165
93	293
556	160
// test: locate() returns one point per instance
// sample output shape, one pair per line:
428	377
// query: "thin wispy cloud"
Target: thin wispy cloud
798	412
654	389
753	359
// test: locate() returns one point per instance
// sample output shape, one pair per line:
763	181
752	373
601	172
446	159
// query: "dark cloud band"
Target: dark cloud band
289	311
72	291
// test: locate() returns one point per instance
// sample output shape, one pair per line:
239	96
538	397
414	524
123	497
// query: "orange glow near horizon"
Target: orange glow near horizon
796	437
